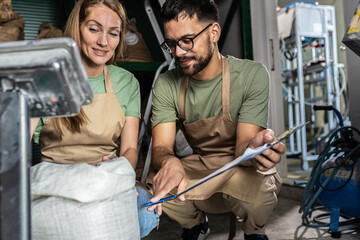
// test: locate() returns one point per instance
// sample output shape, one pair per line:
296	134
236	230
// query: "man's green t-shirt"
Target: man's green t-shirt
249	95
126	88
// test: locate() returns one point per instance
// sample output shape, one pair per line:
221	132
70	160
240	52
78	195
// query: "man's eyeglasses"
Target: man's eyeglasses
185	44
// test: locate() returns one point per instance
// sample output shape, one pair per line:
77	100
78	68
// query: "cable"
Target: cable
311	192
294	97
309	2
343	85
343	91
289	55
320	81
347	105
326	154
338	167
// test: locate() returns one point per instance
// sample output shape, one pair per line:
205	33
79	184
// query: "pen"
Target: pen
248	154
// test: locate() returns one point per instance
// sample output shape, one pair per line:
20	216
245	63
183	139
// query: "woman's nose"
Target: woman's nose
102	40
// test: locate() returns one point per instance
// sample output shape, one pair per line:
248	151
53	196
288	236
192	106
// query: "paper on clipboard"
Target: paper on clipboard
248	154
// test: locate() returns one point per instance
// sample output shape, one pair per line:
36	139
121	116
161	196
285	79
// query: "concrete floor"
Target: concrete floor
284	224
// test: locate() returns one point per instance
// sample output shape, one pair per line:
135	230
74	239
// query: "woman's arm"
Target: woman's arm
129	140
33	125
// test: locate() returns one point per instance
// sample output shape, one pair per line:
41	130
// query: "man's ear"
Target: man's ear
215	32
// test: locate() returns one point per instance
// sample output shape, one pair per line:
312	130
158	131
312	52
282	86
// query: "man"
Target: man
221	104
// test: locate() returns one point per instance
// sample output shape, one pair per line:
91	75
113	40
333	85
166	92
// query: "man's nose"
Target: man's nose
179	51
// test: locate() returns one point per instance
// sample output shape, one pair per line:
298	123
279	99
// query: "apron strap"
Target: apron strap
183	88
108	85
225	88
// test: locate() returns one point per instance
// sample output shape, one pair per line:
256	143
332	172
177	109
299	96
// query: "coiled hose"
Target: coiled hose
337	146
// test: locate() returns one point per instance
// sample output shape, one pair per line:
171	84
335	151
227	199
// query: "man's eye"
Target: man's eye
185	41
171	44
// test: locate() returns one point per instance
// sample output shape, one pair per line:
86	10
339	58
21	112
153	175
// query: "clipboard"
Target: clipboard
248	154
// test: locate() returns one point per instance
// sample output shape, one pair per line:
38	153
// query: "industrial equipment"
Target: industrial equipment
335	177
335	181
43	78
310	72
169	63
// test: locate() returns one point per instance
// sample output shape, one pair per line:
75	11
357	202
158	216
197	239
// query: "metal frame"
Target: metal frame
145	123
296	108
155	26
168	62
15	220
266	50
34	80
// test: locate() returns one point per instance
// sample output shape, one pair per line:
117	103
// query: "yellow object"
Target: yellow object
355	23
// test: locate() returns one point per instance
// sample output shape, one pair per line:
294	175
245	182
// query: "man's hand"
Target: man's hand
269	158
170	175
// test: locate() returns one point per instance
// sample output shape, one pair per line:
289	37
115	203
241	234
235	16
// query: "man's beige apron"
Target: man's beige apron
98	137
213	141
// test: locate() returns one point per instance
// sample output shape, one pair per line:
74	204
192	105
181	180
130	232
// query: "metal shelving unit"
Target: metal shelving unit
310	73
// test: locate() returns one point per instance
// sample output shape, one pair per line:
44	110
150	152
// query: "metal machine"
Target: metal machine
43	78
335	177
310	72
335	181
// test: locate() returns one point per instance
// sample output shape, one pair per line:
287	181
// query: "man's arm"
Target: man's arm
170	170
250	135
163	135
245	132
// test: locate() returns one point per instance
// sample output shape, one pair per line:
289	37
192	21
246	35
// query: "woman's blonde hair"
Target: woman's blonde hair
81	11
72	30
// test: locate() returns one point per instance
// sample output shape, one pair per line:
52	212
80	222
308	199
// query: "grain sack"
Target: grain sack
11	24
6	11
12	30
135	47
82	201
47	30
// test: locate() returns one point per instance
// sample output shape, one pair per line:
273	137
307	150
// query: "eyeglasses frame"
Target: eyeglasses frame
177	42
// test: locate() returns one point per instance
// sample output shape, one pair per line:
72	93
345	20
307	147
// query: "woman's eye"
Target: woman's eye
115	34
93	29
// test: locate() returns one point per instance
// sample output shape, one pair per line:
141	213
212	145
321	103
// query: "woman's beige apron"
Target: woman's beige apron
98	137
213	142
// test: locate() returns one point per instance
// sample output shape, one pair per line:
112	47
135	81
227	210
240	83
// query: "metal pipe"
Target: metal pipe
150	13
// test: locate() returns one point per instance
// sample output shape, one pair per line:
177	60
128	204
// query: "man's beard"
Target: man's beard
202	62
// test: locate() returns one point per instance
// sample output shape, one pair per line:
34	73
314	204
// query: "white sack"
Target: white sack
81	201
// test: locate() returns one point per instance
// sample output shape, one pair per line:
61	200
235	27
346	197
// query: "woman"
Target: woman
108	127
